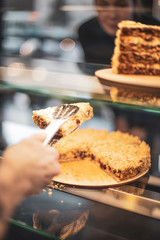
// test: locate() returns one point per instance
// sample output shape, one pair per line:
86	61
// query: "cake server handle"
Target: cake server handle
51	130
61	114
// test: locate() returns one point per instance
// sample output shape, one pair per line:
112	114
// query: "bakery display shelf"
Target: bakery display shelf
133	82
52	78
94	209
72	95
130	201
28	230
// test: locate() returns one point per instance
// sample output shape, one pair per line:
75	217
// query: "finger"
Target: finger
57	169
54	152
54	168
39	136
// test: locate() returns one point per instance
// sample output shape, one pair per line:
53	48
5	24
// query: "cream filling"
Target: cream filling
145	56
138	40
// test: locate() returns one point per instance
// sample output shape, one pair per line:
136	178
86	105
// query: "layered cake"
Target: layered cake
137	49
120	155
42	118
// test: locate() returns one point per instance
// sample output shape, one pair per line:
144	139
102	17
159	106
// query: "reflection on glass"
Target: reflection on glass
139	97
135	188
16	69
39	74
60	224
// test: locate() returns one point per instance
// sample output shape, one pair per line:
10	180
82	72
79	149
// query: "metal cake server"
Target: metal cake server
61	114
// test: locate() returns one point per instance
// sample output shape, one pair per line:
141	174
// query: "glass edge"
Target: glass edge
64	94
29	228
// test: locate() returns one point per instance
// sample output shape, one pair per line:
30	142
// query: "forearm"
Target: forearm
10	196
3	222
25	168
6	210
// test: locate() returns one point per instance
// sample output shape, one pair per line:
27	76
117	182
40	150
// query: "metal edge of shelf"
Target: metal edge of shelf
119	199
71	94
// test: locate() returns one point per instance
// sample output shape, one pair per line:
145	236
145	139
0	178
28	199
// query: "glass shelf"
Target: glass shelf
69	80
55	212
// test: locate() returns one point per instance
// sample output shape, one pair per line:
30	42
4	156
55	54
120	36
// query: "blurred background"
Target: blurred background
49	29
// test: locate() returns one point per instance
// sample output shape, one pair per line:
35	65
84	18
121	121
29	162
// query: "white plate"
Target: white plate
107	77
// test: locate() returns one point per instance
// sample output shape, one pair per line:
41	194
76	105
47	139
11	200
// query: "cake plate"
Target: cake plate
134	82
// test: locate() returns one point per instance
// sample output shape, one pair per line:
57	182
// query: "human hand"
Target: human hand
30	165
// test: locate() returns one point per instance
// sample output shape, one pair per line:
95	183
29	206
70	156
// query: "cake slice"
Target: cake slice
137	49
43	117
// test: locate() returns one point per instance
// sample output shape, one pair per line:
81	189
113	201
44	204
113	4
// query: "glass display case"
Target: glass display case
44	62
130	211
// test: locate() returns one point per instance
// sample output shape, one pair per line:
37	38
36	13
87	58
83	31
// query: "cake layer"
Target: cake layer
139	40
43	117
137	69
140	47
146	33
138	44
134	57
136	25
